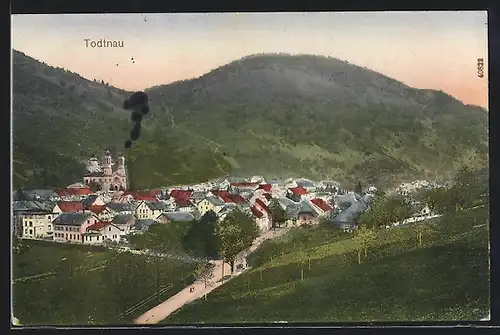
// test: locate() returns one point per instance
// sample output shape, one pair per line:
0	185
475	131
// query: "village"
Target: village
85	214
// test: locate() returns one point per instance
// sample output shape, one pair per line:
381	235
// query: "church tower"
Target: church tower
121	165
107	163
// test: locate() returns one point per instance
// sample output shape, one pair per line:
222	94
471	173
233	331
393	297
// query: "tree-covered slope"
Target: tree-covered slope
272	115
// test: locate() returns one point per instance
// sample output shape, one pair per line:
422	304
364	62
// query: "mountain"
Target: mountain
322	117
60	119
274	115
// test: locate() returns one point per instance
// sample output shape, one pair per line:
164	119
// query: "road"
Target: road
166	308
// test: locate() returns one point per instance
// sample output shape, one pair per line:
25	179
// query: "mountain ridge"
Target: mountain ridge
274	115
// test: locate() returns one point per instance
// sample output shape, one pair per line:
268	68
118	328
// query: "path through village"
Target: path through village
187	295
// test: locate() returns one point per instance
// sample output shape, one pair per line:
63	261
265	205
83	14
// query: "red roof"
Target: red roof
71	206
322	204
226	198
181	194
268	196
244	184
74	191
99	225
221	194
256	212
145	197
183	202
262	205
299	190
238	199
266	187
96	209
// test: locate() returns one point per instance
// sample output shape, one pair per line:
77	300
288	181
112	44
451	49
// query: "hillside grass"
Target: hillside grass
446	278
91	286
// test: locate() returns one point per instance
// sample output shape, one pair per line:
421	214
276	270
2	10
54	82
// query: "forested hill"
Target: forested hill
322	117
272	115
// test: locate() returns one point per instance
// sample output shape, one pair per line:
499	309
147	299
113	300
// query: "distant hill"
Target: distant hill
321	117
271	115
60	119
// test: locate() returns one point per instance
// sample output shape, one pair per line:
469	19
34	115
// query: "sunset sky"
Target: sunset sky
437	50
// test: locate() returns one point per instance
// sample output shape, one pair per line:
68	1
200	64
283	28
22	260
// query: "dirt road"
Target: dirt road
163	310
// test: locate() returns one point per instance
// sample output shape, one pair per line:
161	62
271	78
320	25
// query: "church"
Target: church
109	175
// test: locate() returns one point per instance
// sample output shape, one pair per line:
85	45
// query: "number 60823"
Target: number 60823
480	67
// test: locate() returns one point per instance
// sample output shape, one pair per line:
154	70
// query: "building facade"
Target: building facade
108	175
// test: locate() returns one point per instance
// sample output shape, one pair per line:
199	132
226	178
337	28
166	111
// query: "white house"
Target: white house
125	222
149	210
261	219
100	232
210	204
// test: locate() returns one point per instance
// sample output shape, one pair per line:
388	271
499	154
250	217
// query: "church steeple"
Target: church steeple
107	163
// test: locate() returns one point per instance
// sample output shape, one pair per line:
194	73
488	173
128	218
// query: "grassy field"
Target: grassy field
446	277
79	285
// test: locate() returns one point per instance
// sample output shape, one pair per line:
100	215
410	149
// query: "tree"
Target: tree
201	239
359	188
235	233
367	237
278	214
204	272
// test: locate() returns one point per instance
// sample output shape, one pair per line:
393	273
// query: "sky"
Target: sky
433	50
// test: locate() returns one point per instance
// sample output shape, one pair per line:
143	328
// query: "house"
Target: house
124	222
35	221
181	194
116	208
24	208
151	196
149	209
262	207
102	212
36	195
198	196
93	200
329	186
297	194
265	187
71	206
261	219
321	206
184	205
74	194
166	218
210	204
232	198
100	232
70	227
141	226
291	210
346	219
306	184
239	186
306	215
257	179
228	208
122	197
